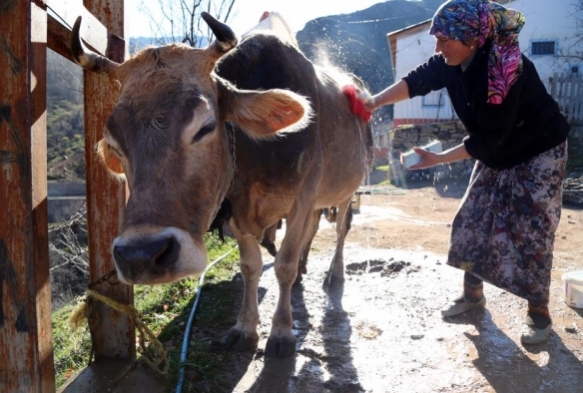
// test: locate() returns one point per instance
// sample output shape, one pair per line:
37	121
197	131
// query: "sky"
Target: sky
246	13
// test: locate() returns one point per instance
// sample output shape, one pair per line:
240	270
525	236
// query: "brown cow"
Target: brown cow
187	137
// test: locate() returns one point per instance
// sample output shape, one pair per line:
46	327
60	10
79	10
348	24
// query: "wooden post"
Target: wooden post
26	353
112	333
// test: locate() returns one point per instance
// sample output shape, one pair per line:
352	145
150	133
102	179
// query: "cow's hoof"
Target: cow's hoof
333	283
280	347
239	340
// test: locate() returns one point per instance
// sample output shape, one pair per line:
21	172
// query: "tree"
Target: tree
578	43
573	50
180	21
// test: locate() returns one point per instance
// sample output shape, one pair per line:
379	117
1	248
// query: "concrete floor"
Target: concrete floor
115	376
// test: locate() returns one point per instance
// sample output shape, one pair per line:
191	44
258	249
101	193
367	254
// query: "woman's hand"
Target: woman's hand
428	159
370	104
395	93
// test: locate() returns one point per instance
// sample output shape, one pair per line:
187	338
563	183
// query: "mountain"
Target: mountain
357	42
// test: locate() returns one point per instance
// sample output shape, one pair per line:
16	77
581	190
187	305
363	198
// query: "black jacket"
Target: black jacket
527	123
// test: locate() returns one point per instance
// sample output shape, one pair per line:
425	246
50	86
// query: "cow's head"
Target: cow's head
168	136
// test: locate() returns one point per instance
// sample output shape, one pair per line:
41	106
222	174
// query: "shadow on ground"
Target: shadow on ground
509	368
325	366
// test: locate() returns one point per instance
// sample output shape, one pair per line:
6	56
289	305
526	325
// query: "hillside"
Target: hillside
65	148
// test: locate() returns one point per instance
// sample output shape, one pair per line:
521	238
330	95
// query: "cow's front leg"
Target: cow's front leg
244	335
282	342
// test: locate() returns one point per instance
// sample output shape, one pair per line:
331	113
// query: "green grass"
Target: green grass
165	310
71	351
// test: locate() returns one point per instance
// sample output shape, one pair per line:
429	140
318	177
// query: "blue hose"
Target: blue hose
184	351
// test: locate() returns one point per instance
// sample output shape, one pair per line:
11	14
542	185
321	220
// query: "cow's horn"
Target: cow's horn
225	38
87	59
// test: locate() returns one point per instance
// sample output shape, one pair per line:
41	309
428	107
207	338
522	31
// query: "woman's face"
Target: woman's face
454	52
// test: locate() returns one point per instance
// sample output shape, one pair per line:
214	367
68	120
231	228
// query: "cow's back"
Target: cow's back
263	62
333	149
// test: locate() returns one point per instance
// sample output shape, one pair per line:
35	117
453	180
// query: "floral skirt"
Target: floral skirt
504	230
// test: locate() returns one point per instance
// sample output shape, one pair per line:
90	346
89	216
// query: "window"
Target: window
543	48
575	70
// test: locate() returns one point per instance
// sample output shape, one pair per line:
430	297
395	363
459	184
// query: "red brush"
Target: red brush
357	98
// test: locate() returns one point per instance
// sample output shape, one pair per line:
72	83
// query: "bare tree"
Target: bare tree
573	50
180	21
578	43
69	258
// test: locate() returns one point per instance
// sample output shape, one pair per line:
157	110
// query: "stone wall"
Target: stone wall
403	139
65	199
66	188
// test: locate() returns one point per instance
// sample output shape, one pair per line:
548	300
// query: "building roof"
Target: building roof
393	35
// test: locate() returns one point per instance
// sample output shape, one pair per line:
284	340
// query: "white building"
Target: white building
548	38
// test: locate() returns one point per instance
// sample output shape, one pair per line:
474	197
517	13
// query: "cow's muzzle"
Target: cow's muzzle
155	258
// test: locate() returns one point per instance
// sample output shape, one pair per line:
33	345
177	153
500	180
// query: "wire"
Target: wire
185	341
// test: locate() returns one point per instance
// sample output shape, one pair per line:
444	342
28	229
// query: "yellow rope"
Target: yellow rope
79	313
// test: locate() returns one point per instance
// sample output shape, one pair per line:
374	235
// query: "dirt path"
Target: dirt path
384	333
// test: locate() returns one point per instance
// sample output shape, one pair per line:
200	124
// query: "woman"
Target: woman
504	230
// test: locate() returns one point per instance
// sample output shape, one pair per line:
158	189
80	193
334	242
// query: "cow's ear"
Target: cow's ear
109	158
263	114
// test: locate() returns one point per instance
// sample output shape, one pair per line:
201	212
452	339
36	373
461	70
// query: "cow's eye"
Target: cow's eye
205	130
159	122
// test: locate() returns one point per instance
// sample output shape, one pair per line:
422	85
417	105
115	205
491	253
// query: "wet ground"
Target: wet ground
384	333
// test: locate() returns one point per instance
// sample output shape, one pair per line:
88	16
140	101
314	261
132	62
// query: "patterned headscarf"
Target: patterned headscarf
467	20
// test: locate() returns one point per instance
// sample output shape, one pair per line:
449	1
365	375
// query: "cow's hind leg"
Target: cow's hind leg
335	276
303	263
282	342
244	335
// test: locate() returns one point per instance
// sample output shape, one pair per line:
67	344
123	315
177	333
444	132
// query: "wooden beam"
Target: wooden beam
26	352
59	38
93	32
112	333
62	16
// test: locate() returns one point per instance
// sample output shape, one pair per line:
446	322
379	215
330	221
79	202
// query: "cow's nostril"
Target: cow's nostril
141	256
168	255
118	253
120	262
